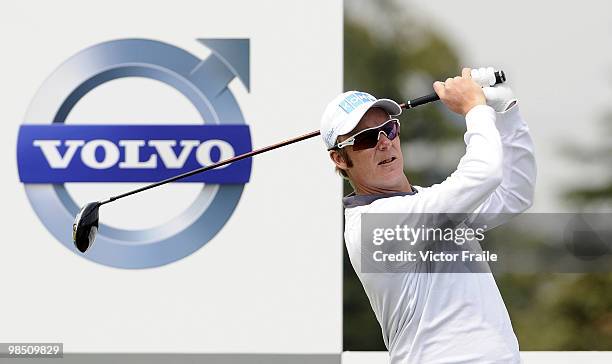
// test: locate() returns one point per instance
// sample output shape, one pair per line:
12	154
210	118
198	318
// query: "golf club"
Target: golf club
85	226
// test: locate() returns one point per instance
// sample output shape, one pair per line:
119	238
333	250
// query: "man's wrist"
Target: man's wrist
478	109
481	118
509	121
470	107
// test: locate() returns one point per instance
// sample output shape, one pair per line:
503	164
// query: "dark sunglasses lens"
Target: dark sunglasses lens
369	139
392	130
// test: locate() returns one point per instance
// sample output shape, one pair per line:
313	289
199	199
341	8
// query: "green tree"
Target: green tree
599	155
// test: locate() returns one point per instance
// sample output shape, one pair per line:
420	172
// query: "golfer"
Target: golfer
442	317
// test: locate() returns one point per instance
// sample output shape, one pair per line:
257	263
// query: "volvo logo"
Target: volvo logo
51	153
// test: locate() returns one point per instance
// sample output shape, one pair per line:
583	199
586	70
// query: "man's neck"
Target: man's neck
371	190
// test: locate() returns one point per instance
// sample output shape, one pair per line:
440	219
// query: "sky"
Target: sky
558	59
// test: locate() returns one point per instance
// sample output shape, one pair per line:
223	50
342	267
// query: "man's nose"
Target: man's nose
383	141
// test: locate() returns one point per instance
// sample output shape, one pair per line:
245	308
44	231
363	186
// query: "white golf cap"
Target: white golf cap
343	113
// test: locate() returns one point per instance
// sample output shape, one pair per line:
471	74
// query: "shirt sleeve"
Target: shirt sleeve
515	193
478	174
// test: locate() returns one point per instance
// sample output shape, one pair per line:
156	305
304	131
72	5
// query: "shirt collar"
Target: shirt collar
354	200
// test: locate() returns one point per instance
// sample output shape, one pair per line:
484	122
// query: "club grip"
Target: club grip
500	77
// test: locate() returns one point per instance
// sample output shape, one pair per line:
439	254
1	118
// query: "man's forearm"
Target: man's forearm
516	191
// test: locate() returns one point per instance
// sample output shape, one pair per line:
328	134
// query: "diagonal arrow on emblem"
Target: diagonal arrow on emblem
229	59
234	53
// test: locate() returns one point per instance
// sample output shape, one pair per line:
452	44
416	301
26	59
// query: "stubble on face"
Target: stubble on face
376	170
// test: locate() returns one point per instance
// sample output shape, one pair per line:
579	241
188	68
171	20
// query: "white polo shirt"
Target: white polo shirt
452	317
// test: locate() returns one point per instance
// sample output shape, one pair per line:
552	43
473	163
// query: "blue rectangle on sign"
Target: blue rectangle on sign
59	153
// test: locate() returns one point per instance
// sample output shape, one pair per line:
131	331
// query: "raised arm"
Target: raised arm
515	193
479	171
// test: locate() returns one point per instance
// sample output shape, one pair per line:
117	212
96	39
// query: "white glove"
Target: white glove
499	97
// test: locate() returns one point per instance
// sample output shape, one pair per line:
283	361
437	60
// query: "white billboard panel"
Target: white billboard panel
100	98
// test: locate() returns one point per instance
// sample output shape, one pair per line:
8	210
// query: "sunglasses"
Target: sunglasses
368	138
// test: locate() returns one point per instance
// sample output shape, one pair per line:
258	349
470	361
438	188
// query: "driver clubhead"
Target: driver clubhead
85	226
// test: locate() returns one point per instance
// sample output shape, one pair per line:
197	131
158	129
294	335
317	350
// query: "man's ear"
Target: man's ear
338	159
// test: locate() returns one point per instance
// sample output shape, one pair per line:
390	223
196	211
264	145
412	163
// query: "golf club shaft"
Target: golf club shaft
212	166
500	77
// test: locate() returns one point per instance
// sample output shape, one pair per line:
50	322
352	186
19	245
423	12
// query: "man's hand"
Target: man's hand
499	97
460	94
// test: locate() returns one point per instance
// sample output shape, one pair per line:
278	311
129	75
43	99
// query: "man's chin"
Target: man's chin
392	183
391	172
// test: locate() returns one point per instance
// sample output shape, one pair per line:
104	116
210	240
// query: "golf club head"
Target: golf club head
85	226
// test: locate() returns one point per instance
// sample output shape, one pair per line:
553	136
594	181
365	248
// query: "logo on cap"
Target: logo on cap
354	100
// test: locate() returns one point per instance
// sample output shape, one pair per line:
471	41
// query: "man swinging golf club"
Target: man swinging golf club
443	317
